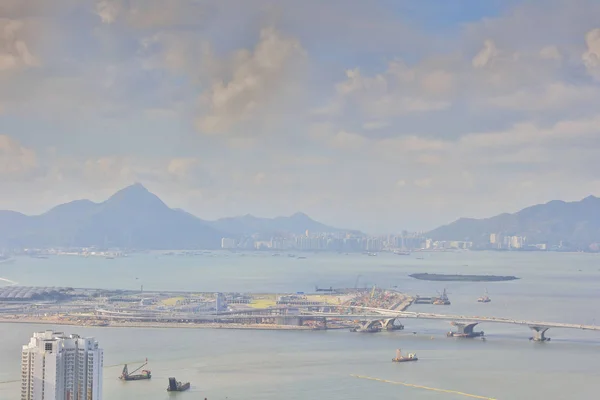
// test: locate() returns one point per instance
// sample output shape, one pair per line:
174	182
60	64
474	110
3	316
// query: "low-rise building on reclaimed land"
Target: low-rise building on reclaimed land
165	309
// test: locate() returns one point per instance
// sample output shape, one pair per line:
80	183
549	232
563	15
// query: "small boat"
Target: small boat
176	386
484	299
400	358
402	253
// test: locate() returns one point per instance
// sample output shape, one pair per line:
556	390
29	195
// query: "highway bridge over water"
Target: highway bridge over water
367	315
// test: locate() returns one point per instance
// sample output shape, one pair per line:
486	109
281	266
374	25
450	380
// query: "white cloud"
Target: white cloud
14	52
180	167
150	14
348	141
375	125
400	90
551	53
16	161
260	82
102	169
553	96
561	134
486	56
591	58
108	10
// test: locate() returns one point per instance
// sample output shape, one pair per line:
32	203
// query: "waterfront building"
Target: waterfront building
228	243
220	302
55	366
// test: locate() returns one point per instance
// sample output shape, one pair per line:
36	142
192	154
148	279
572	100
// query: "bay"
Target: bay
306	365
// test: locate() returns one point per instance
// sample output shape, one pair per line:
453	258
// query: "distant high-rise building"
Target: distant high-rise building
227	243
220	302
517	242
493	238
59	367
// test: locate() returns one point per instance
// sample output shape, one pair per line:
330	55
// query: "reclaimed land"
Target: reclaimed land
462	278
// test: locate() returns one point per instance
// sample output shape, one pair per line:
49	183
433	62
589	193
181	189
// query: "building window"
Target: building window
48	346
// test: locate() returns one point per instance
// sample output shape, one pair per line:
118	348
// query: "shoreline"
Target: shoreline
424	276
263	327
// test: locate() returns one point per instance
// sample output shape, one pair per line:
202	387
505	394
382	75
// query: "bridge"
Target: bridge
370	317
466	324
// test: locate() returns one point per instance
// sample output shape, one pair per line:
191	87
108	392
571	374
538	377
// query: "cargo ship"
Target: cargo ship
176	386
132	376
400	358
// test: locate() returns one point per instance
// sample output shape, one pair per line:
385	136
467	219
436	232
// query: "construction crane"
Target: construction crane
132	376
373	291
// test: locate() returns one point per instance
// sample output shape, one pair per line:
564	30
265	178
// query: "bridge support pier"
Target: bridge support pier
368	326
539	334
464	330
391	325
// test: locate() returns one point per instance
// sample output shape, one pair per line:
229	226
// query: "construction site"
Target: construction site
95	307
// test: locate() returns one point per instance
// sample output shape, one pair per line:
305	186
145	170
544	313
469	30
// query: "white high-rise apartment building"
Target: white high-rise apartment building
55	366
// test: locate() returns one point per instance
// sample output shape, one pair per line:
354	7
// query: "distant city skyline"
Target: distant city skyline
376	116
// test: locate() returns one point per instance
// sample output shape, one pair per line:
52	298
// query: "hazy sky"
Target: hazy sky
377	115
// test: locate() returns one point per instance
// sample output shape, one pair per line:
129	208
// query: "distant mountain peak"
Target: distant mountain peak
136	195
136	188
299	215
590	198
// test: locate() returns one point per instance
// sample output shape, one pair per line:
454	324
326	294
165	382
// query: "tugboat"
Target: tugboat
400	358
484	299
176	386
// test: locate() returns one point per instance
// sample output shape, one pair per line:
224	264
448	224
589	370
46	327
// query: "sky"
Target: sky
378	115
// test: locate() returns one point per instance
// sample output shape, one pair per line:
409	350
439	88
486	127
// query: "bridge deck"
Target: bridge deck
369	313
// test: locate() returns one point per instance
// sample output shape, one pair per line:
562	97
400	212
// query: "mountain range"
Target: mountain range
577	223
133	217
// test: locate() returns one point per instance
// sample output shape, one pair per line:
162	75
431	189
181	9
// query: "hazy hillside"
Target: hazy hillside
575	222
133	217
297	223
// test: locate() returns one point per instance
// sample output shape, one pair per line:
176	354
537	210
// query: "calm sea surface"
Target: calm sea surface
319	365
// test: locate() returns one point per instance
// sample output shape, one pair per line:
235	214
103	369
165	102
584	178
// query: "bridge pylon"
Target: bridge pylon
539	333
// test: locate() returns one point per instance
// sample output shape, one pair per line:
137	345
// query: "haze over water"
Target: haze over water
308	365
